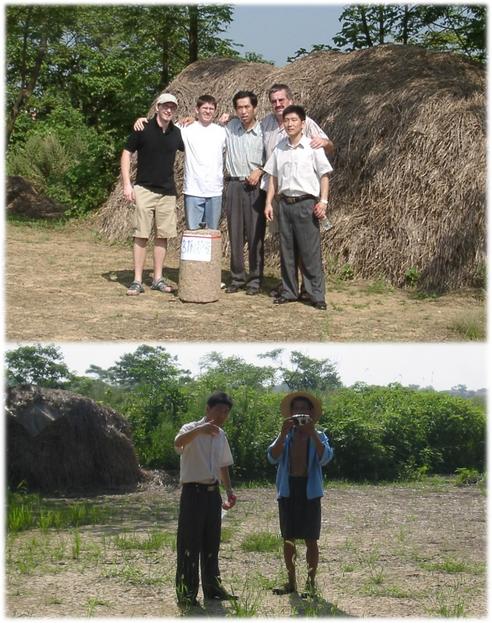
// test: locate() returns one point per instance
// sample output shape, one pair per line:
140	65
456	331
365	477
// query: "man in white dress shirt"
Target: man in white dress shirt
205	457
299	178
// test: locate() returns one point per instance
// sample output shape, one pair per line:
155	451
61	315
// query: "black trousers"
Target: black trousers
300	237
198	540
244	208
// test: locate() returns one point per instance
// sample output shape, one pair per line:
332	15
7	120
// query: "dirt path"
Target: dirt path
386	551
66	285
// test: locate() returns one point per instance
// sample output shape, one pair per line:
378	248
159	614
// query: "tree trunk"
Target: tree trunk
193	34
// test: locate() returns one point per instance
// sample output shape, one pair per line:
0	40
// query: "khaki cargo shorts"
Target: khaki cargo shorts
153	209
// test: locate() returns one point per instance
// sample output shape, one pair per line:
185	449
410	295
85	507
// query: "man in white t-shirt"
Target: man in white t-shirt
203	165
205	457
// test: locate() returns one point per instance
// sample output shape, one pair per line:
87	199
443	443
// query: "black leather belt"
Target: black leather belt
234	179
288	199
200	486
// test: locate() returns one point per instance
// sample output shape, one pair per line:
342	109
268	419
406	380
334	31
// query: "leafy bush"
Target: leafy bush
64	158
394	432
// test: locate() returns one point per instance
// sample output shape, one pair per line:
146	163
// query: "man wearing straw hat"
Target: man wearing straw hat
154	192
205	457
300	451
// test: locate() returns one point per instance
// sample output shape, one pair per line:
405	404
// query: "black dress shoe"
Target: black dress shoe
280	300
188	602
220	594
232	289
319	305
252	291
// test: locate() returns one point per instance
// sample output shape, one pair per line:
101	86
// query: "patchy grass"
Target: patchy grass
386	550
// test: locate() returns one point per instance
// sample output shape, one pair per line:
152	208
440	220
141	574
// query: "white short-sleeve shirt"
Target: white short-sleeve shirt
298	169
202	458
204	159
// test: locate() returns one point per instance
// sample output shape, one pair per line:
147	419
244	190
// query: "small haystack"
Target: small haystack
58	441
408	192
24	200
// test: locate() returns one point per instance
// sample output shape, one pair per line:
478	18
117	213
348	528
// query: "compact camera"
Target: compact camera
300	419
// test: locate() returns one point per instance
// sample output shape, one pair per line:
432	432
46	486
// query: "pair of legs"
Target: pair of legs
198	542
300	244
312	558
244	207
202	210
152	210
140	252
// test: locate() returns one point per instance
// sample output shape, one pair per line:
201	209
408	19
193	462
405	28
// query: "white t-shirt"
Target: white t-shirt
202	458
204	156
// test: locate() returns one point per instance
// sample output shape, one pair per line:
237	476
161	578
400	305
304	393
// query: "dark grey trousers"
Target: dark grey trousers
300	237
244	208
198	540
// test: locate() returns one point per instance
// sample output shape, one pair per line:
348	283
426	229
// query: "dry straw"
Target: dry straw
58	441
408	191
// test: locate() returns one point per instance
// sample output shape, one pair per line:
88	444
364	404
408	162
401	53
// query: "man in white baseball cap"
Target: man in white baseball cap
154	191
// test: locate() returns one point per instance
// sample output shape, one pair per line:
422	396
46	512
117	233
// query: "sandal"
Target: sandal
161	286
135	289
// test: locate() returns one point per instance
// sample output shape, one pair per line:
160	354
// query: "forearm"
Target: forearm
278	447
185	438
328	147
125	166
226	479
272	189
324	187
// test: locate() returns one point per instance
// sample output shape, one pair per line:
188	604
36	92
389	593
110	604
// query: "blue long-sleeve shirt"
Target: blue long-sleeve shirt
315	463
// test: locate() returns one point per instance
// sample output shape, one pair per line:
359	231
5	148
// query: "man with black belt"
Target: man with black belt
204	461
154	192
299	177
300	451
244	200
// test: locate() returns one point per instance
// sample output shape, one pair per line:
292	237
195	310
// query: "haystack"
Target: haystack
408	191
58	441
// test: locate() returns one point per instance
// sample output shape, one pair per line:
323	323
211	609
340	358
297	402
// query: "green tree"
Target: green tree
454	28
229	373
318	375
147	365
37	365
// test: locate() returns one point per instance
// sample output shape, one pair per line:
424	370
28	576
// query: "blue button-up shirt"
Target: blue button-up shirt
314	476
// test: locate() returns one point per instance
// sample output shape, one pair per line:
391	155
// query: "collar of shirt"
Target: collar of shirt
304	142
167	130
240	129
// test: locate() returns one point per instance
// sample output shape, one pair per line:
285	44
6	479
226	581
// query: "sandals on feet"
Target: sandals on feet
135	289
161	286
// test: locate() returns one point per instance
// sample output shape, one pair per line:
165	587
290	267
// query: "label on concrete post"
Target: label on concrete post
196	248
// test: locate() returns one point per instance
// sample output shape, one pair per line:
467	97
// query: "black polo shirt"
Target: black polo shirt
156	154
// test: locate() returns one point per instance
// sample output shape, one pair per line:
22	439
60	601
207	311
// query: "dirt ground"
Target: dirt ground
386	551
65	284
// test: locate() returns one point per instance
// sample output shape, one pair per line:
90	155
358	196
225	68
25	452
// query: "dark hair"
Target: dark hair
294	108
278	86
241	94
219	398
206	99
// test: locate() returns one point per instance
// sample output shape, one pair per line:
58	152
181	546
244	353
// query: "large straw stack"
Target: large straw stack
408	191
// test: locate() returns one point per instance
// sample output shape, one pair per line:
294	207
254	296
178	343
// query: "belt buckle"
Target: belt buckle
211	487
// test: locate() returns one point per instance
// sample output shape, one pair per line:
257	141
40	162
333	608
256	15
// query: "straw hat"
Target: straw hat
287	401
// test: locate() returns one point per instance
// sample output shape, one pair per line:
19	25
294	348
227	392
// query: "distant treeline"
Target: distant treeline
378	433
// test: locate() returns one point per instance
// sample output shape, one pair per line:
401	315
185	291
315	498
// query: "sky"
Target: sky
277	31
440	365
